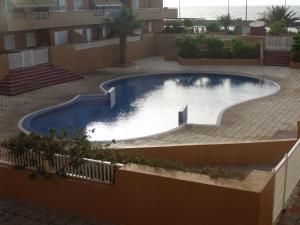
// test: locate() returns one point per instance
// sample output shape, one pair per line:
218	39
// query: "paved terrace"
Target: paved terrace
263	119
24	213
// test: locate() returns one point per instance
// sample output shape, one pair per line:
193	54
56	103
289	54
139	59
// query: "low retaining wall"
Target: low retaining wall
143	195
294	65
92	59
192	62
249	153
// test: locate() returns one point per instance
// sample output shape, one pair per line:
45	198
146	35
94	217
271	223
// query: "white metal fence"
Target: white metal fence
279	43
287	175
28	58
87	169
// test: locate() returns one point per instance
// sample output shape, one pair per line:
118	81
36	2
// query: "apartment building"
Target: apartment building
26	24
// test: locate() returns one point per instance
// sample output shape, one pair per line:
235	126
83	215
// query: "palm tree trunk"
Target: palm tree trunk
123	49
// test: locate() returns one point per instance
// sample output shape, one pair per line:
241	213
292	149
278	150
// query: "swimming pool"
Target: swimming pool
148	105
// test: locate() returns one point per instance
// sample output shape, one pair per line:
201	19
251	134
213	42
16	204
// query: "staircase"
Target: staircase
26	79
276	58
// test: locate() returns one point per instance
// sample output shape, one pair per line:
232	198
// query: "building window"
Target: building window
61	4
136	4
61	37
30	40
79	4
9	42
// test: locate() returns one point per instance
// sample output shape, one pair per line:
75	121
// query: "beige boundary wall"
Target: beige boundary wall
294	65
248	153
92	59
148	196
192	62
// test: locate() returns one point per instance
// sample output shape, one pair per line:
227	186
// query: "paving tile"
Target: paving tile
38	215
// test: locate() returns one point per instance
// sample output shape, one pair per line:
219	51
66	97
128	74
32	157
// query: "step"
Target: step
32	73
44	79
12	81
31	68
19	90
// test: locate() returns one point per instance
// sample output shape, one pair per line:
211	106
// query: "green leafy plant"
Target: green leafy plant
278	27
225	21
202	46
278	14
123	23
295	57
188	23
244	49
296	43
213	27
188	46
174	27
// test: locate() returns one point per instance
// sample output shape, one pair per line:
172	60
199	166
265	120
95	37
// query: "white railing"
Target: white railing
87	169
279	43
287	175
28	58
105	42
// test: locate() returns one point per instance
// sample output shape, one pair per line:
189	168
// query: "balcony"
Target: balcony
32	21
44	20
156	13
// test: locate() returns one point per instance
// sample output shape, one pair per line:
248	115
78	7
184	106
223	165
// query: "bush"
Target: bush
188	23
278	27
295	57
212	47
174	27
188	47
212	27
244	49
296	43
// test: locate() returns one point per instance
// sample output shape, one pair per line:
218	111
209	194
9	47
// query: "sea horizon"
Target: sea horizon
211	12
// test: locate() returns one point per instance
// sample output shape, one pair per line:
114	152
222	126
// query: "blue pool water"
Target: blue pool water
148	105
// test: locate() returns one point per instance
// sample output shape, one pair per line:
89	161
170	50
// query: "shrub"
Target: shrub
244	49
295	57
212	27
278	27
296	43
225	21
214	43
174	27
188	23
188	47
212	47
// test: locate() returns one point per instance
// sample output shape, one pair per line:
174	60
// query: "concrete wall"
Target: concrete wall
251	153
233	61
143	195
92	59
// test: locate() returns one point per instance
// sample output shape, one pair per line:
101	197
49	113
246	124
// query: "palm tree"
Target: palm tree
278	14
225	21
123	23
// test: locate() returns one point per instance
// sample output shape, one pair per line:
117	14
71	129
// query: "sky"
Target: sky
187	3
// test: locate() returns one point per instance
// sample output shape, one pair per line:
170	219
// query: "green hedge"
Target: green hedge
295	57
202	46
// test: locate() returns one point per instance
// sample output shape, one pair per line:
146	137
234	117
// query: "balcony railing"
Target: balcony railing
156	13
34	21
52	19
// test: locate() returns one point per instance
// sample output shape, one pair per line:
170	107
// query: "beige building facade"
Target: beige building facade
27	24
